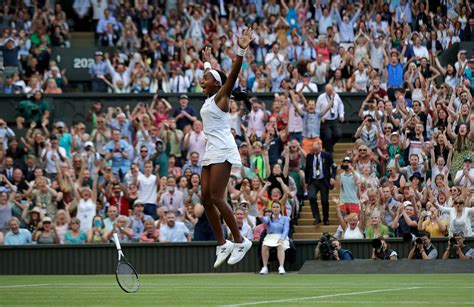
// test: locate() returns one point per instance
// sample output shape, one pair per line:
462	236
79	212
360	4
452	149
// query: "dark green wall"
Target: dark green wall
72	108
195	257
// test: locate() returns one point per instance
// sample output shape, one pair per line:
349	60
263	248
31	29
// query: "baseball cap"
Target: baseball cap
346	159
88	143
467	159
47	219
35	209
183	97
243	144
60	125
407	203
138	202
98	52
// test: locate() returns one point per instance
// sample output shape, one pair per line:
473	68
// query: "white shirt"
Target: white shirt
256	122
125	76
310	88
337	110
98	7
197	143
147	188
52	158
178	233
85	213
462	182
179	84
421	52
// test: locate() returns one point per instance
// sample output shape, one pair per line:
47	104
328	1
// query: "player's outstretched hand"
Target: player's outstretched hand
207	54
246	38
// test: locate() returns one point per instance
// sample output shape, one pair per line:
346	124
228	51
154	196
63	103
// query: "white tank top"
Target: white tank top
216	127
352	233
85	213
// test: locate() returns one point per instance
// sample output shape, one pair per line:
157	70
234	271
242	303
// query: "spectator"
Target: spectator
331	128
173	231
184	115
75	235
137	220
98	71
150	234
245	229
459	217
96	234
17	235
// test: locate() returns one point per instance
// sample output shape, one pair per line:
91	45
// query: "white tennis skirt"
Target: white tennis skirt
272	241
220	156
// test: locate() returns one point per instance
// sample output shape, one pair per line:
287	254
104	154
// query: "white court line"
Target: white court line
397	303
24	286
321	296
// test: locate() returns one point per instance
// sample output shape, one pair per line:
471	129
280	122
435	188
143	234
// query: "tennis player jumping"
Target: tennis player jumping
221	153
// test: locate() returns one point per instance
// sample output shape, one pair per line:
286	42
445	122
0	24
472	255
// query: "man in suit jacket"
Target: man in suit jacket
468	33
320	174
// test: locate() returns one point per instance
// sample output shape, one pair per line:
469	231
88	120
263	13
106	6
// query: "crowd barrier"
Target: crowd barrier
163	258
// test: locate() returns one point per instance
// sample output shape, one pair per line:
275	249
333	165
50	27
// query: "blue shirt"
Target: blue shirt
279	225
98	68
118	160
125	129
22	237
311	124
395	75
194	169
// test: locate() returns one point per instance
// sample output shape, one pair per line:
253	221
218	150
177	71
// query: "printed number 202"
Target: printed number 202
81	63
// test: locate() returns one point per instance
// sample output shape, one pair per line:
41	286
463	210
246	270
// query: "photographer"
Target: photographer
381	250
422	248
329	248
339	252
456	248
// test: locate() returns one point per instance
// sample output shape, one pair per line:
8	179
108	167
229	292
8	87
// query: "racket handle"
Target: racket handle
117	242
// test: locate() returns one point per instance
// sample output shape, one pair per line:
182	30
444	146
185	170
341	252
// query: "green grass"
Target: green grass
228	289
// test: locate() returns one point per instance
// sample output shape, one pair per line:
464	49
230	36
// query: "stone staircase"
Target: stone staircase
305	230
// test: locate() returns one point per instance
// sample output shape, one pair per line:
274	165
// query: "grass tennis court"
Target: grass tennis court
242	290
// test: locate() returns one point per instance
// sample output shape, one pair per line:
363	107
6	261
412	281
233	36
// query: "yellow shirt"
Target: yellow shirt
434	229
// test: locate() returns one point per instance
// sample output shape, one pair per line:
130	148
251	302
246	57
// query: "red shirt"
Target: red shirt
123	204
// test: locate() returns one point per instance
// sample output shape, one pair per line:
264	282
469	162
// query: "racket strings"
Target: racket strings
127	277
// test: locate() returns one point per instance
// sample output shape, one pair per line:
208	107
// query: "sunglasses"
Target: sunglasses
143	150
459	203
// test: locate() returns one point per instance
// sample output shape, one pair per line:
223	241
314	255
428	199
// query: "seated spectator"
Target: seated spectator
376	229
245	229
406	220
137	220
174	231
433	223
422	248
46	233
349	224
96	234
17	235
150	233
278	227
122	229
75	235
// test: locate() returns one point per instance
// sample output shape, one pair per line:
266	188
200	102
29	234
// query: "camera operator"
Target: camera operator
456	248
381	250
329	248
422	248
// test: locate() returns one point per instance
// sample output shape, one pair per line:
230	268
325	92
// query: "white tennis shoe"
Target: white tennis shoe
281	270
239	251
222	252
264	271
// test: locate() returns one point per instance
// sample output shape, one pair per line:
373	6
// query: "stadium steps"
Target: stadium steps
305	230
82	40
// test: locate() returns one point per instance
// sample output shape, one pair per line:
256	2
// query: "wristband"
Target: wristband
207	66
241	52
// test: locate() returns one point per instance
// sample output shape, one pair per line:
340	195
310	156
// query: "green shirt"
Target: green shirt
383	231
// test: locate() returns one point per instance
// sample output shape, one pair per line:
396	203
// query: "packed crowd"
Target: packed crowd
137	171
302	44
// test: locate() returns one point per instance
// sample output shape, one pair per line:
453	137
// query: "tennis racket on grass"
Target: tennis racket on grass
127	277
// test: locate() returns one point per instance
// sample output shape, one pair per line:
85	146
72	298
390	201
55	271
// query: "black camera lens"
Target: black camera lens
453	241
376	243
419	241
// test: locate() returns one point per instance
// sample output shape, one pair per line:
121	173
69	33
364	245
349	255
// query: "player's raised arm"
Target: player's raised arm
222	97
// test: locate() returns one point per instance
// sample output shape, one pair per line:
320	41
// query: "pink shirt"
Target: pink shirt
256	123
197	143
295	121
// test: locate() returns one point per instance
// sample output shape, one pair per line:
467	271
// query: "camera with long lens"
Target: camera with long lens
326	249
453	241
419	241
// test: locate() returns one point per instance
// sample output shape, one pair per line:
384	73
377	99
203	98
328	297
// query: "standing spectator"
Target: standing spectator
185	114
98	71
174	231
118	150
106	19
147	189
331	130
256	119
179	83
320	174
406	220
17	235
348	181
195	141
